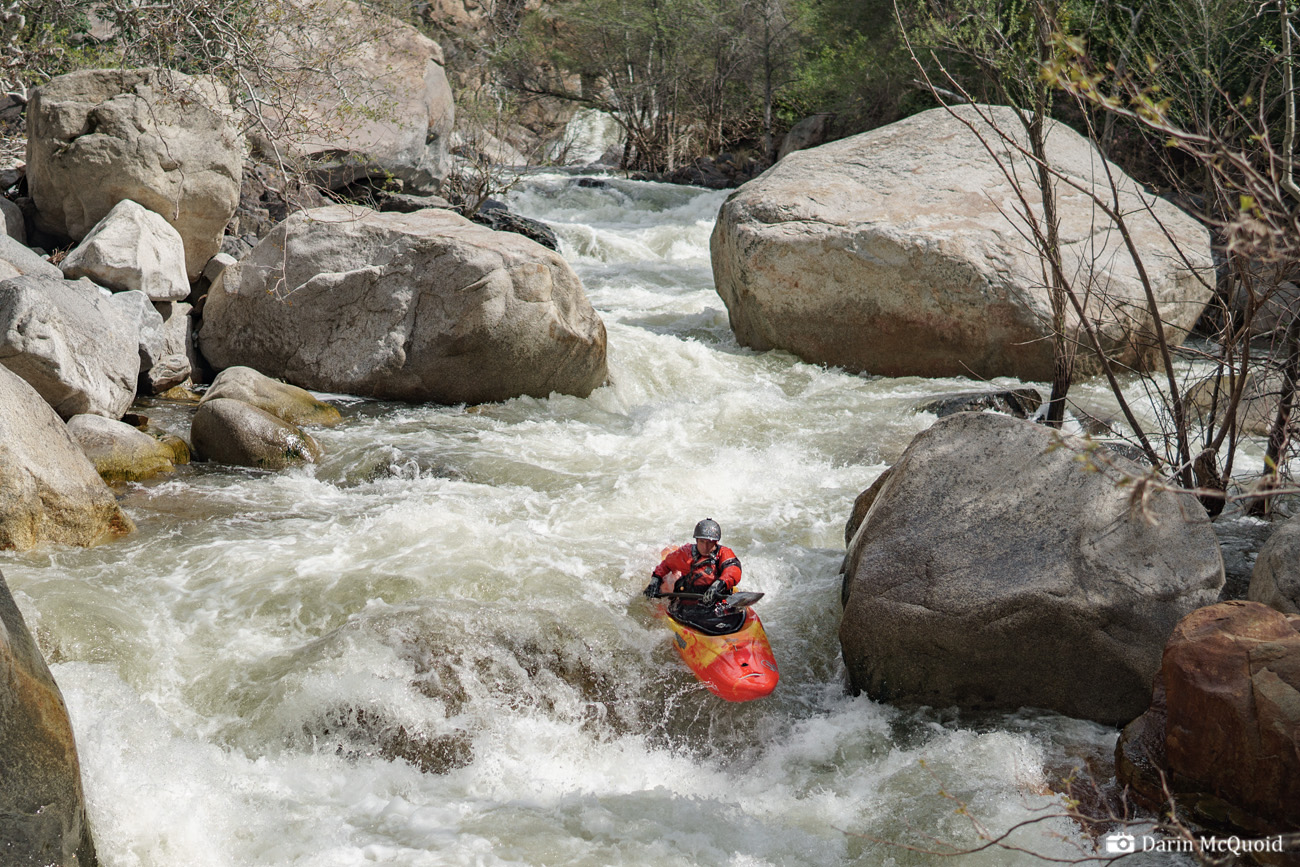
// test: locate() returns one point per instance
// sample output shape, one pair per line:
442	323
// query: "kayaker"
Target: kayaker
706	567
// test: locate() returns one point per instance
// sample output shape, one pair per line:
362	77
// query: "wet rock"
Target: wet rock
49	491
120	452
286	402
71	343
165	139
1224	721
42	810
443	310
358	731
232	432
502	220
132	248
892	252
995	571
407	204
1017	402
1275	580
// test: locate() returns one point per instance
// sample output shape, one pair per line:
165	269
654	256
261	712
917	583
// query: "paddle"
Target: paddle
735	600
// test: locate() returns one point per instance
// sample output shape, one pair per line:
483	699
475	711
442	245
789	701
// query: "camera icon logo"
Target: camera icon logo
1120	844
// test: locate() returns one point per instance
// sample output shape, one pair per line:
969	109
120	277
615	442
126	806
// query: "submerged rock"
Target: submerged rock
286	402
895	252
49	491
995	571
42	810
421	307
1224	721
232	432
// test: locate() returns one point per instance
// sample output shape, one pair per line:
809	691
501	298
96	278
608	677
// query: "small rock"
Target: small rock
502	220
404	203
120	452
286	402
12	216
1018	402
217	264
132	248
1275	580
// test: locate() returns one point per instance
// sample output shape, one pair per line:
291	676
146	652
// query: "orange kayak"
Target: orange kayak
737	665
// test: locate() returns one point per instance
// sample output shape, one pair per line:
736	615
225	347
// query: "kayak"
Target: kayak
727	650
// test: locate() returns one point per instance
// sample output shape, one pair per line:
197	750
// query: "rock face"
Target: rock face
441	310
71	343
119	452
49	492
1275	580
888	252
993	572
232	432
1224	725
160	138
42	812
25	261
401	114
132	248
286	402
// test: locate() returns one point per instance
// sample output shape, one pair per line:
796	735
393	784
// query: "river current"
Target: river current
431	650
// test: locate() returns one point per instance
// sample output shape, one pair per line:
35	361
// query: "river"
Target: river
459	586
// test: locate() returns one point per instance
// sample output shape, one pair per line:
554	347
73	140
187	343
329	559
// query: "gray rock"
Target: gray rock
170	371
403	110
897	252
119	452
236	248
1018	402
42	811
12	215
286	402
132	248
995	572
807	133
178	331
407	204
160	138
217	264
25	260
1275	580
502	220
233	432
134	306
49	492
422	307
70	343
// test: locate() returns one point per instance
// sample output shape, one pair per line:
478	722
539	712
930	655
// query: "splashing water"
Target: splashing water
431	649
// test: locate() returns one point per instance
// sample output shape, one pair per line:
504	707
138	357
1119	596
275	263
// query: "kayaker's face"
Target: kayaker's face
705	546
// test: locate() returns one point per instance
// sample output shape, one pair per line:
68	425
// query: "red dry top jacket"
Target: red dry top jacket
700	571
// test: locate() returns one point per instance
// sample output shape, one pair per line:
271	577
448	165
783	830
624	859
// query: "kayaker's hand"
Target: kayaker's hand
717	590
652	589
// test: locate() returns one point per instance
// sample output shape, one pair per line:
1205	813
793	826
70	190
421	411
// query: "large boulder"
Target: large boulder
367	95
1275	580
119	452
132	248
286	402
1223	730
42	811
158	137
49	491
229	431
71	342
422	307
899	252
25	261
995	570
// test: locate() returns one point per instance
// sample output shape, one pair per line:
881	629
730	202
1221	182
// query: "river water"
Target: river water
431	650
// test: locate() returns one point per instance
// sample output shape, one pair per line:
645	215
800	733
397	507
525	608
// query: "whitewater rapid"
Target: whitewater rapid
430	649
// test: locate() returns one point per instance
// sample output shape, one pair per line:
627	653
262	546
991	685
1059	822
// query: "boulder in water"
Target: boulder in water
49	491
441	310
120	452
286	402
158	137
896	252
995	571
42	810
1017	402
232	432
